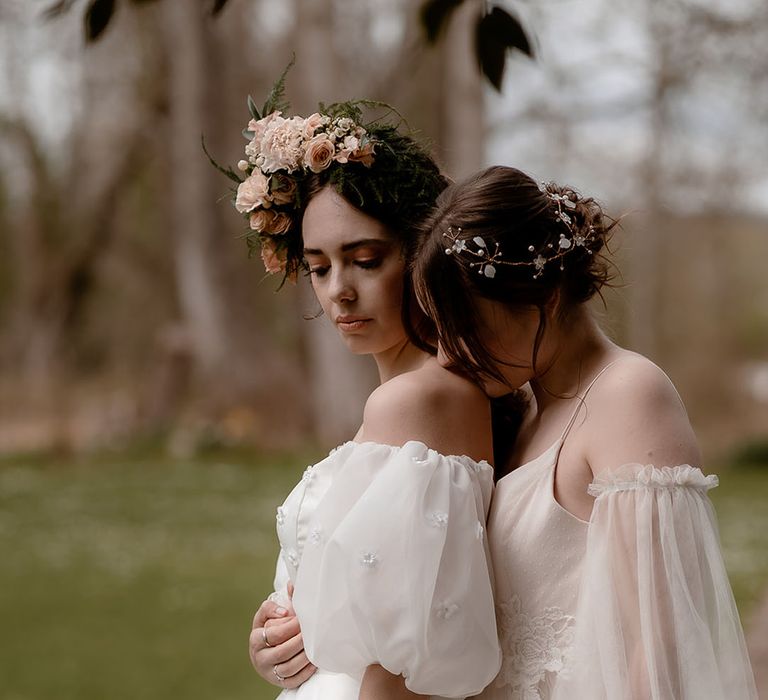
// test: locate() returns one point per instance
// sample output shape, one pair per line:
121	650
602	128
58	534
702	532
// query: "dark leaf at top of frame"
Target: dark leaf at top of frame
435	15
509	31
97	18
496	33
58	8
218	6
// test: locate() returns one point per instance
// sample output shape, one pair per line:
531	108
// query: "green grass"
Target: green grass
741	502
137	577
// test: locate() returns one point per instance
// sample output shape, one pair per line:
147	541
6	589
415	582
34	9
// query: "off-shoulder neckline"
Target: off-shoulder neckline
362	443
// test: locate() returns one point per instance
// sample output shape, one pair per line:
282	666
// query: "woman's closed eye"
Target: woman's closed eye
318	270
368	263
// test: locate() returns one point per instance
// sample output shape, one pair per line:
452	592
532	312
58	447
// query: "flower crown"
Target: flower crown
486	261
281	152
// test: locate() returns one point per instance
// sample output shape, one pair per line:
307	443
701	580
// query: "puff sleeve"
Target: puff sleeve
396	571
280	585
656	618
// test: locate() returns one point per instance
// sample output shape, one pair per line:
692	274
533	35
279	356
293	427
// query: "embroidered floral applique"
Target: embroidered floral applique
537	649
445	609
369	560
293	558
438	519
316	536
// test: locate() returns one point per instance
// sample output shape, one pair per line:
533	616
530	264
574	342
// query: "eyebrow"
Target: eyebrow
349	246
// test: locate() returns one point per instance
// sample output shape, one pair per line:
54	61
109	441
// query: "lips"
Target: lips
351	323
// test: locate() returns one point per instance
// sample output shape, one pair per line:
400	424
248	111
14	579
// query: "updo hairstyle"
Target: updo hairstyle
507	209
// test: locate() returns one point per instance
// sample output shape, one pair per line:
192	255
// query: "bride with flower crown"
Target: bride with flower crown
383	562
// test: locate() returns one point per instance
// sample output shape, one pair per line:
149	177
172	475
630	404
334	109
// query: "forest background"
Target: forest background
158	397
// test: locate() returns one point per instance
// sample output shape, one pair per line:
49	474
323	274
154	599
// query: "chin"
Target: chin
358	345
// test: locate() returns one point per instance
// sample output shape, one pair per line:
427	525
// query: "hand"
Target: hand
276	647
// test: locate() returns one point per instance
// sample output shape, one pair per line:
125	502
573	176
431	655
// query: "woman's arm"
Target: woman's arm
380	684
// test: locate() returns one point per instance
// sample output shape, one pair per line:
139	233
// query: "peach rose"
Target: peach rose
319	153
270	221
274	260
363	155
283	189
252	192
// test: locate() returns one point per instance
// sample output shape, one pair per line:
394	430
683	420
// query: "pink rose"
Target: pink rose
363	155
283	189
270	221
319	153
274	260
252	192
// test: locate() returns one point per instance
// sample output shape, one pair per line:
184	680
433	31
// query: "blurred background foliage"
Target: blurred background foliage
158	399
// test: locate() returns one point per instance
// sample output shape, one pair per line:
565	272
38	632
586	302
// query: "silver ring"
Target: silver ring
264	636
279	677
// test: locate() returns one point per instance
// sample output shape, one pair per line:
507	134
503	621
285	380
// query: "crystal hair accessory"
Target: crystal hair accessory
486	260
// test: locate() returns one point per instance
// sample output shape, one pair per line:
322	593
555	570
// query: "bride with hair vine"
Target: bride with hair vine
610	583
383	588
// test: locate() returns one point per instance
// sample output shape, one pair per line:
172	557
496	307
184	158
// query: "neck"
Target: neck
572	350
400	358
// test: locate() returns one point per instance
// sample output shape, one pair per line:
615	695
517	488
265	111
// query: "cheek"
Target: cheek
388	290
321	294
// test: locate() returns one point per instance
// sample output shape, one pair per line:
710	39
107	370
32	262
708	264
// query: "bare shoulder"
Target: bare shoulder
434	406
636	415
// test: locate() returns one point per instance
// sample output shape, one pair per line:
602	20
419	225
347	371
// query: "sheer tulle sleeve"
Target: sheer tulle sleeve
656	618
396	571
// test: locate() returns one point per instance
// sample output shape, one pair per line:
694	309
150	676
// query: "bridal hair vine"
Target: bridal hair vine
486	261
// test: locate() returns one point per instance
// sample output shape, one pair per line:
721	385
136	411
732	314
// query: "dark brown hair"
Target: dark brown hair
399	189
507	209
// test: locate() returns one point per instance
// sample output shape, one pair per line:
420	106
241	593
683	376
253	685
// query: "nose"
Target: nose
341	288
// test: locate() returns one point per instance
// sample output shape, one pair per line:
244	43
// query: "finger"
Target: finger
264	658
287	650
275	637
292	666
279	632
290	589
299	678
267	611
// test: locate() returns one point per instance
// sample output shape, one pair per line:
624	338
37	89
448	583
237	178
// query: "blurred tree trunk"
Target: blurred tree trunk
187	32
462	115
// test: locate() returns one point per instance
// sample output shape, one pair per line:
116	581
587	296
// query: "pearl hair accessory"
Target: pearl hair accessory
486	261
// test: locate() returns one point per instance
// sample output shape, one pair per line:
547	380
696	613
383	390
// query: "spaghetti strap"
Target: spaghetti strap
581	402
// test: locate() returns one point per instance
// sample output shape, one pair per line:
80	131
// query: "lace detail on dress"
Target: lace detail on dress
536	649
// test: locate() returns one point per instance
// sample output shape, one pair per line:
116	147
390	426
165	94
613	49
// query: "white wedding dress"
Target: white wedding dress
634	604
386	548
